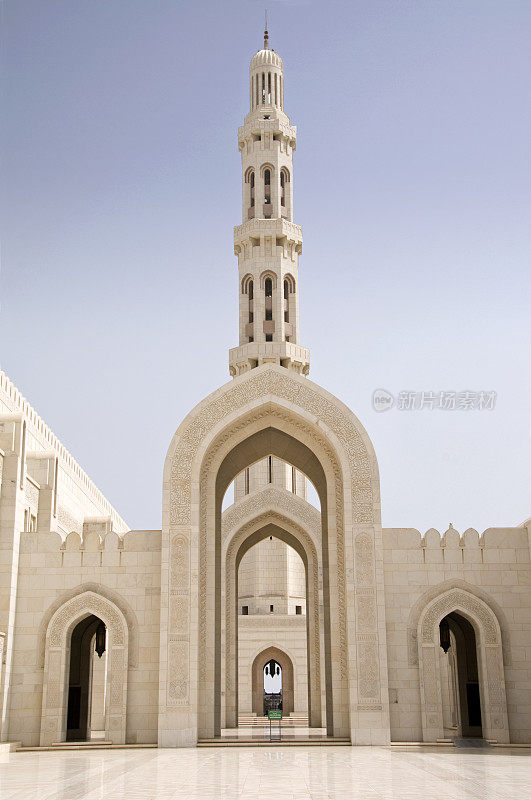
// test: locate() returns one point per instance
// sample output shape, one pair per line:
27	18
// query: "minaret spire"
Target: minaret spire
266	34
268	243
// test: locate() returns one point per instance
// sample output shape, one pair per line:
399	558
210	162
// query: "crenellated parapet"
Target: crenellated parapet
97	540
494	544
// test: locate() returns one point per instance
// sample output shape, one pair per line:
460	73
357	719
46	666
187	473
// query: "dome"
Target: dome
266	57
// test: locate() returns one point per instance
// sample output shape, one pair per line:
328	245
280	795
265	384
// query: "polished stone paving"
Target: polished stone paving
294	773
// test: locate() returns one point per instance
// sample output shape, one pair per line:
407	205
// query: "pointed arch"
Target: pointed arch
268	273
56	666
98	589
268	166
288	673
285	173
289	528
433	592
489	657
290	281
246	283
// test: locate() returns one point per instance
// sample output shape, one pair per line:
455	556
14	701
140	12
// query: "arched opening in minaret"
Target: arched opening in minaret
268	298
249	192
267	194
87	681
460	684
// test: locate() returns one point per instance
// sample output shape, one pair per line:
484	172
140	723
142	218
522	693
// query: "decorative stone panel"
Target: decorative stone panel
178	688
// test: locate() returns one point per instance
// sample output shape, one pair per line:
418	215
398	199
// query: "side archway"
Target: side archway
57	659
490	664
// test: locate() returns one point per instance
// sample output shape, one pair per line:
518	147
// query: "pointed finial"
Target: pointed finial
266	34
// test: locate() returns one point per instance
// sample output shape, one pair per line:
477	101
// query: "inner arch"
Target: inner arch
288	538
272	441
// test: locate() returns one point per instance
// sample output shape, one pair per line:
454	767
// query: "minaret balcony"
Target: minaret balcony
256	125
254	354
254	228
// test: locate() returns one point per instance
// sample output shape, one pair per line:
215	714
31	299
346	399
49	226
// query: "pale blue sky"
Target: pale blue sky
121	185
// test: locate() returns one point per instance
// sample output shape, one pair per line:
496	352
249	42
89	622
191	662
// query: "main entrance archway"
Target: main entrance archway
271	412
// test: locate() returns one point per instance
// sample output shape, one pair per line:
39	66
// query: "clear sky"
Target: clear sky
121	184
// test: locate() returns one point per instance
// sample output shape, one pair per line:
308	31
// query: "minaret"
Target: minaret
268	243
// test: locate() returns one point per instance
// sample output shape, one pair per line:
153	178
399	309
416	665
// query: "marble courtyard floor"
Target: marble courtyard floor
249	773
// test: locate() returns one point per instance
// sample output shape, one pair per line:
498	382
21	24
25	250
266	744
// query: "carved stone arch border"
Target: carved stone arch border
57	666
272	498
267	646
325	410
268	273
433	592
100	590
232	547
490	664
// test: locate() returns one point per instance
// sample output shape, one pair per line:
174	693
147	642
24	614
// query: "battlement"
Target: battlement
456	547
93	543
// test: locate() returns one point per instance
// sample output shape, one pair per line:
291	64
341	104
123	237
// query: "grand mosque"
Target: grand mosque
191	634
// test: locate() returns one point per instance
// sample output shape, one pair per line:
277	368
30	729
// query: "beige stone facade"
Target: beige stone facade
381	634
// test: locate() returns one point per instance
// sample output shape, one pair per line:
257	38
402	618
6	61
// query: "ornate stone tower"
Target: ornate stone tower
267	243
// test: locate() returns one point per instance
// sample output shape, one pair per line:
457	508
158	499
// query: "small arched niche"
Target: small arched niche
260	664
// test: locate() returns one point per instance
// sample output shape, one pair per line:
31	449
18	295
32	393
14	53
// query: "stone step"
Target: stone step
298	742
85	743
245	720
83	746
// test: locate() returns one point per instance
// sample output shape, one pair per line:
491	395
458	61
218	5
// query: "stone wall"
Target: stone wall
496	568
126	570
257	633
78	497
